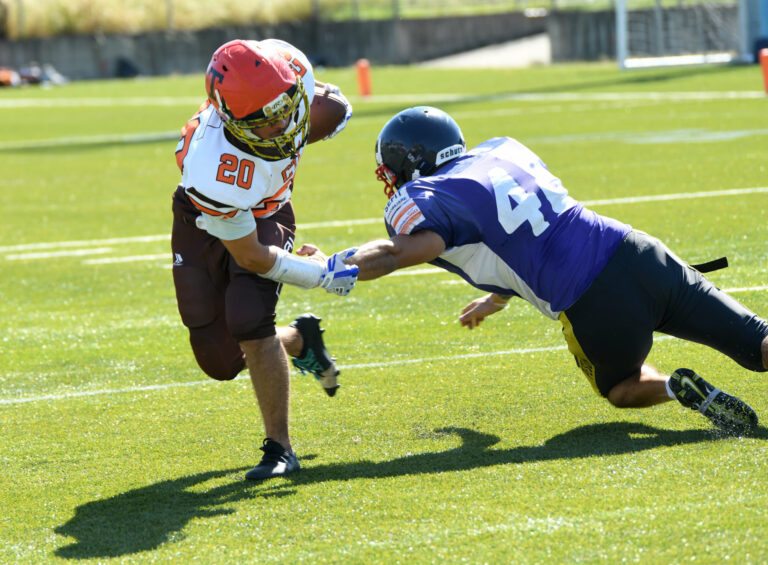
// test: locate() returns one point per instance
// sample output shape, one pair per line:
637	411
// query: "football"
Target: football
325	113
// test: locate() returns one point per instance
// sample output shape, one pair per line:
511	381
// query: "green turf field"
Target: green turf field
443	445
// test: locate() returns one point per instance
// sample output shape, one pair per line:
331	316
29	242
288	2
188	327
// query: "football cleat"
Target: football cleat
314	357
723	410
276	462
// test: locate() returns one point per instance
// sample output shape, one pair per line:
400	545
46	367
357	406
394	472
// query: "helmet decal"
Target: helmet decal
449	153
212	76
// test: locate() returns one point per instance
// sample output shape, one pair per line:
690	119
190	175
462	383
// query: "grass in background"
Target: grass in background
443	445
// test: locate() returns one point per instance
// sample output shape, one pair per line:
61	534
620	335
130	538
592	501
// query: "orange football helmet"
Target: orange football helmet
251	85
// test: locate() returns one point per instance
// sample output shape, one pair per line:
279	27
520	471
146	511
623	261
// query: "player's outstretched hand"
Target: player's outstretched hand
476	311
339	278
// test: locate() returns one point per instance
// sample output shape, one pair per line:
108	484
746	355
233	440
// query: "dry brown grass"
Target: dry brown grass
40	18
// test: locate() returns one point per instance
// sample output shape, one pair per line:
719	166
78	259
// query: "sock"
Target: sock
669	390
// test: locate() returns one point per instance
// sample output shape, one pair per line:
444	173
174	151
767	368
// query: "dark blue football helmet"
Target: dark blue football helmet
415	143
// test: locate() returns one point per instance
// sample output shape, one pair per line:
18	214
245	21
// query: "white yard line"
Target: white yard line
745	289
86	242
677	196
129	259
78	394
100	102
415	98
91	140
413	272
367	221
63	253
164	101
351	366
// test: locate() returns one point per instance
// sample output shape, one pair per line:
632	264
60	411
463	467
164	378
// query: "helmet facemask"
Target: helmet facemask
385	174
292	104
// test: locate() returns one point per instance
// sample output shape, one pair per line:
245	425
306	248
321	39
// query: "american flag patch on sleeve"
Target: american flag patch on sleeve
402	213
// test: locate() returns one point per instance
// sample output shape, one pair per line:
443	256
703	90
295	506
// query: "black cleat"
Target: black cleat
723	410
276	462
314	357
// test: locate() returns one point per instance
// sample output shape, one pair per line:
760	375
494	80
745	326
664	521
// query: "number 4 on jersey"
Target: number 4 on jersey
528	208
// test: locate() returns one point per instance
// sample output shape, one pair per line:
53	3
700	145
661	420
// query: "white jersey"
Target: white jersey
229	186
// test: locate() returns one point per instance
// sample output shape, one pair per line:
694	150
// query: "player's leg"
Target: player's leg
291	340
704	314
646	388
269	373
268	368
251	302
609	331
695	310
612	355
303	341
200	282
711	317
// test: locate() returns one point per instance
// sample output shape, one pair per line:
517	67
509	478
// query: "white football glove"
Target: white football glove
332	88
339	278
347	253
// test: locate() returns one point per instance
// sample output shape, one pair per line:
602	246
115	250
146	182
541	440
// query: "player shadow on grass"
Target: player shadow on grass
142	519
606	439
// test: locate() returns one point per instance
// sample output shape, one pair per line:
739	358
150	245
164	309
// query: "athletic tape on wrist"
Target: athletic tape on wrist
294	270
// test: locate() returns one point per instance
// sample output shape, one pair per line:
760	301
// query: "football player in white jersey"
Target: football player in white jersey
496	216
233	230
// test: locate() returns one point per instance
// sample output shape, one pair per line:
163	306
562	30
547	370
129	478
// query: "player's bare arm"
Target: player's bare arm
280	265
380	257
251	254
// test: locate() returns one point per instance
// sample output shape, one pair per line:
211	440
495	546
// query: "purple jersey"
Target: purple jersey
509	225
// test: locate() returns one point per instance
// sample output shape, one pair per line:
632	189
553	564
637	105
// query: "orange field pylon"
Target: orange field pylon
363	68
763	55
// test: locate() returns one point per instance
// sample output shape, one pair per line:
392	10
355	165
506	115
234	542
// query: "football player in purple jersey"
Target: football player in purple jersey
496	216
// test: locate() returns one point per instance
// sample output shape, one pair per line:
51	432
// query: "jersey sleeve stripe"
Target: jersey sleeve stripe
211	211
210	206
403	211
276	195
197	195
269	205
409	221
